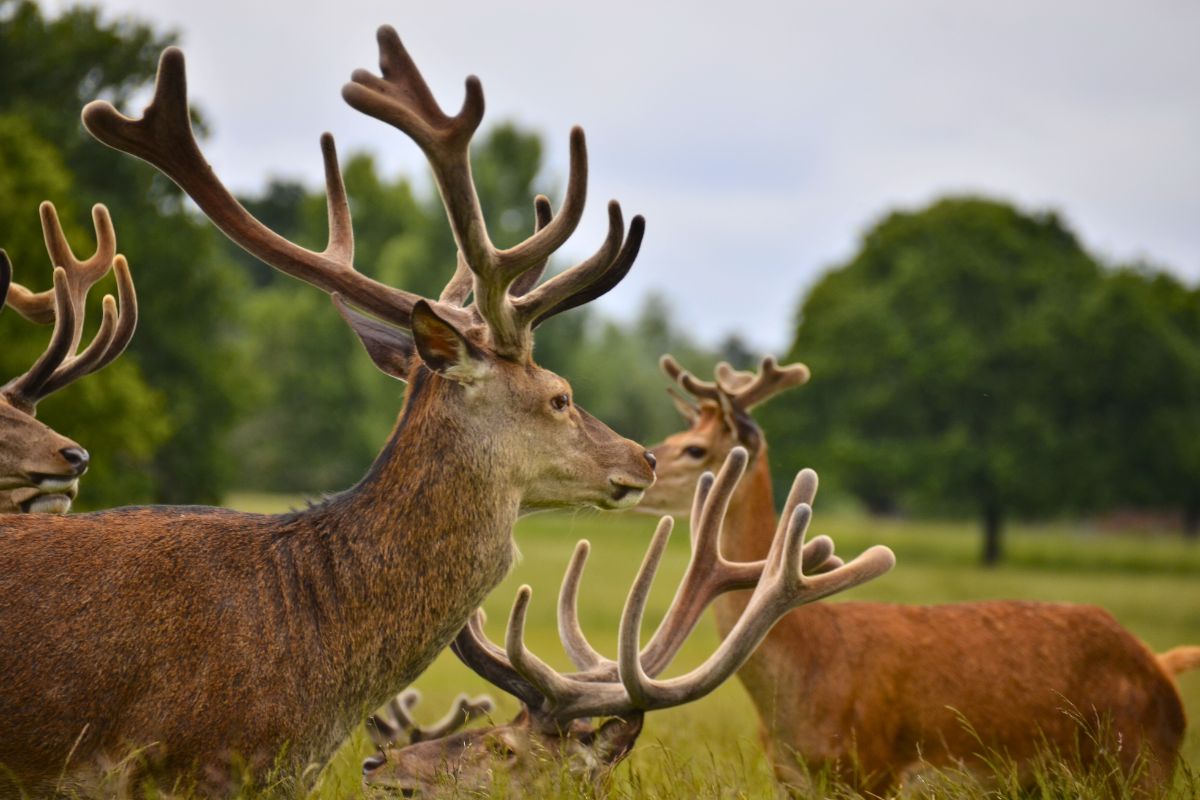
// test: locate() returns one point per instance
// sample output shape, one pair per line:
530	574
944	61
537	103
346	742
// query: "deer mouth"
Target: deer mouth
624	493
48	494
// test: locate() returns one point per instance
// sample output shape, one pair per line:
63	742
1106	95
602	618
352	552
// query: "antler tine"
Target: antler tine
39	307
708	573
589	279
502	280
542	214
488	661
605	280
115	333
25	390
689	382
462	711
575	643
628	643
402	99
782	588
550	683
770	381
163	136
804	490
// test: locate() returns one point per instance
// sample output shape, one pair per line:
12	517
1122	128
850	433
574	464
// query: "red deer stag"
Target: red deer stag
198	628
876	691
40	469
555	706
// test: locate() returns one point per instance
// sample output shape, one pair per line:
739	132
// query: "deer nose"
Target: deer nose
650	459
77	457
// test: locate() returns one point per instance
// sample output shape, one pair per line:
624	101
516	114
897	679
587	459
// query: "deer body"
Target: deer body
200	628
876	691
212	634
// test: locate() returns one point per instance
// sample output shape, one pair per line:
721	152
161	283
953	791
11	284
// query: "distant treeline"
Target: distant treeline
970	358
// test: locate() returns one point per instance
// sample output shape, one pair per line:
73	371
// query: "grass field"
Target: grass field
709	749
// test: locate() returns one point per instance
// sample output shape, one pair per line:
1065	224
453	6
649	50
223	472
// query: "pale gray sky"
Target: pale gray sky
758	138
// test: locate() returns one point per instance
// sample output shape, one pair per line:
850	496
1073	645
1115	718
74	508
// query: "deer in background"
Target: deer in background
555	707
875	692
199	628
39	468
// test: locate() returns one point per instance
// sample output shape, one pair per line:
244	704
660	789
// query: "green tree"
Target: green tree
185	348
936	363
1136	366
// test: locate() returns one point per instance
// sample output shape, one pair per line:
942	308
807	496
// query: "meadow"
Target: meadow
1150	581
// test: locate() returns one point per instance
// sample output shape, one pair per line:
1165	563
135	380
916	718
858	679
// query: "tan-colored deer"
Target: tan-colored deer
39	468
555	707
875	691
211	632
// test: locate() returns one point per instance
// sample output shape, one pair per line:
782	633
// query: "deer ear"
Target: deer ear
686	408
443	348
390	348
616	738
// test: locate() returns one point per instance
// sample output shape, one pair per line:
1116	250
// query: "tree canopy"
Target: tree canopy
962	363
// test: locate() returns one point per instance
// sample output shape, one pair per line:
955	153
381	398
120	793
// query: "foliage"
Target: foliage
962	362
164	443
1136	370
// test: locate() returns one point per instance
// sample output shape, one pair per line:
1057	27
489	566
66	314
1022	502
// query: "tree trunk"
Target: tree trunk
993	527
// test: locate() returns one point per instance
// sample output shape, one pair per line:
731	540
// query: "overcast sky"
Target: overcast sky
759	139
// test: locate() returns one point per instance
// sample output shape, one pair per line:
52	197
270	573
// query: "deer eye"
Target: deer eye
560	402
693	451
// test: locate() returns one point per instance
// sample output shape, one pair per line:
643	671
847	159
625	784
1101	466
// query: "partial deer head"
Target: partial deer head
40	469
556	706
468	354
718	416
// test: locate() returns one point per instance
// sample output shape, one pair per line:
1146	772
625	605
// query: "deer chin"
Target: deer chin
50	494
623	494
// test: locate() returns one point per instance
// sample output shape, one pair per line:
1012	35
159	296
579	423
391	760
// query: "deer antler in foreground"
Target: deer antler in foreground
794	573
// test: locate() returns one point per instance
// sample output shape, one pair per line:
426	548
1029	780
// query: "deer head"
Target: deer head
718	416
468	354
556	706
40	469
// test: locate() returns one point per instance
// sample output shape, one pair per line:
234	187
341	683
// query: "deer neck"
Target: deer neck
399	561
747	533
750	522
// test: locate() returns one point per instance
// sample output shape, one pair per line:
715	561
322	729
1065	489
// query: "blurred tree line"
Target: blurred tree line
970	358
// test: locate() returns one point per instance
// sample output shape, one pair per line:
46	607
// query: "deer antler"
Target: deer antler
742	391
504	300
794	573
64	305
386	730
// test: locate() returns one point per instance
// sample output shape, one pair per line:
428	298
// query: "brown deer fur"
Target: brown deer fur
873	691
209	633
214	632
